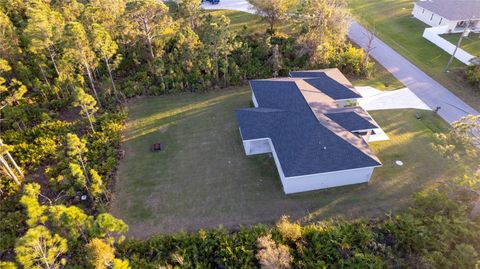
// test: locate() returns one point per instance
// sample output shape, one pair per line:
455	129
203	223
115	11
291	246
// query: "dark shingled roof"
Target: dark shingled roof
352	121
303	145
332	88
326	84
454	10
307	74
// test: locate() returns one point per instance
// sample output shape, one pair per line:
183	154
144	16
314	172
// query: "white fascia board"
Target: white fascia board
241	135
348	99
364	130
333	172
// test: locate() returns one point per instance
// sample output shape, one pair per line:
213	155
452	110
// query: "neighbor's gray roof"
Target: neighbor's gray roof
306	142
454	10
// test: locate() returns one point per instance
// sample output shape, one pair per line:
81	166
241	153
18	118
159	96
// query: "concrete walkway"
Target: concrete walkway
374	99
431	92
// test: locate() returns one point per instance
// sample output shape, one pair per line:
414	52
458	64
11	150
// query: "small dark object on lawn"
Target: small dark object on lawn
418	116
437	109
122	154
157	147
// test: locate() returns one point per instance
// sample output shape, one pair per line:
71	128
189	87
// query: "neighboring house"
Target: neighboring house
449	16
453	14
317	140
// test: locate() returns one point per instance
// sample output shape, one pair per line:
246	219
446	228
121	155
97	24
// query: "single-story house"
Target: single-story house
311	125
453	14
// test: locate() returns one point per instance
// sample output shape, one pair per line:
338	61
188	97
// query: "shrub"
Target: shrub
272	255
473	75
289	231
351	61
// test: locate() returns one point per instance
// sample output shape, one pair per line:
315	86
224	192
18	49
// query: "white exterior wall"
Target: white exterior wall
254	100
433	35
431	18
257	146
326	180
308	182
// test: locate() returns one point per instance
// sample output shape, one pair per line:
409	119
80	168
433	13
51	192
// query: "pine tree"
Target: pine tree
8	38
12	93
106	225
107	13
190	10
100	253
76	150
70	222
219	42
105	47
276	60
325	24
148	18
96	188
273	11
87	104
39	249
35	211
79	50
44	31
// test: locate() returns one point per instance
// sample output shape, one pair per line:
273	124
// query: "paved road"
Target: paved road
240	5
427	89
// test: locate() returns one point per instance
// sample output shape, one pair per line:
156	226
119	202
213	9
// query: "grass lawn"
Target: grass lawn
203	179
381	80
470	44
395	25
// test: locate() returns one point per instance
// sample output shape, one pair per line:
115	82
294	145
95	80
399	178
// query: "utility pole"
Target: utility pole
465	33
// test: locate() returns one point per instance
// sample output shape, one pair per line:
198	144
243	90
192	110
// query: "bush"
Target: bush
351	61
272	255
289	231
473	75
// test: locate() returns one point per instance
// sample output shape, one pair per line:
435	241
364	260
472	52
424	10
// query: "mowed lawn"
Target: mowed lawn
394	24
470	44
203	179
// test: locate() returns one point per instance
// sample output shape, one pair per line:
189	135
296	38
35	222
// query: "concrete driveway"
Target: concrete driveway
374	99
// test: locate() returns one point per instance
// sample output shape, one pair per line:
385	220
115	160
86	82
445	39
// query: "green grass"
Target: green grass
470	44
381	80
240	21
203	179
395	25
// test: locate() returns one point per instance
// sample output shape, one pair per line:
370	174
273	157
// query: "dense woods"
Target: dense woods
66	70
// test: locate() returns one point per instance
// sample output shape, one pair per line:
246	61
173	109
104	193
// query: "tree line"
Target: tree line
66	69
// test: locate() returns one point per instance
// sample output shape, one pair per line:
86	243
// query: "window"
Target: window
423	11
431	17
440	21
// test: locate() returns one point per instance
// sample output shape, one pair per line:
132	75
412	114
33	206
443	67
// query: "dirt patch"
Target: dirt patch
38	176
163	129
70	115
